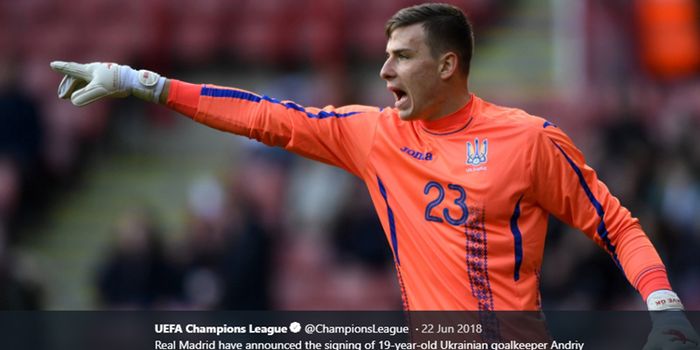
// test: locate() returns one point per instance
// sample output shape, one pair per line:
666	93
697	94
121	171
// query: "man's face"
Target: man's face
412	73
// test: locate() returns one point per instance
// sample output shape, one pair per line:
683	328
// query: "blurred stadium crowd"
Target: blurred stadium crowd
253	238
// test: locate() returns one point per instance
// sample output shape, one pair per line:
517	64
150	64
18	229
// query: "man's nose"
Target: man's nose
387	72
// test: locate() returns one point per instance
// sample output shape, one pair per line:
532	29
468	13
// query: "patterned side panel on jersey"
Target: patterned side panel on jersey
477	269
477	259
402	286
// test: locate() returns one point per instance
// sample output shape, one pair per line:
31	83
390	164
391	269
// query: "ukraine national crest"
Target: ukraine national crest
477	155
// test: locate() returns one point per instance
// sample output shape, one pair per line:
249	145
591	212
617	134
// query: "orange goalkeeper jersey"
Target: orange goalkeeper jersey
463	200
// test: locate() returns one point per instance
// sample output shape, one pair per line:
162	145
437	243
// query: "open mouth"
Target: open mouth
400	95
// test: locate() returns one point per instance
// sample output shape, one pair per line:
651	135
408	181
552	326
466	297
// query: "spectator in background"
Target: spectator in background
232	229
19	287
258	194
10	183
357	233
20	159
136	273
20	142
21	133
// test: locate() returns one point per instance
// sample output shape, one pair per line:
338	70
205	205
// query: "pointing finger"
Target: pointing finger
73	69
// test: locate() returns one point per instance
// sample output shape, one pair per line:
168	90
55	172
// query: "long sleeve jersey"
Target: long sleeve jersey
463	200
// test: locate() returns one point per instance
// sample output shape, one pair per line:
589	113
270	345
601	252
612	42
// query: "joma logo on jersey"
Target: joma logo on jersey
477	154
416	154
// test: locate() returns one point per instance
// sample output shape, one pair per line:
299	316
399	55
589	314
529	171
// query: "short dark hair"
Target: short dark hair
446	26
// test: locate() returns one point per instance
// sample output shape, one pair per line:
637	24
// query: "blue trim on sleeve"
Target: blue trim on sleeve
392	224
227	93
517	240
242	95
602	229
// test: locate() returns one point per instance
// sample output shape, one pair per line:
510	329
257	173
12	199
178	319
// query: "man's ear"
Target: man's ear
447	66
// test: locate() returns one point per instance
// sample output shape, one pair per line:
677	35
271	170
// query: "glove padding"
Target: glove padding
87	83
671	330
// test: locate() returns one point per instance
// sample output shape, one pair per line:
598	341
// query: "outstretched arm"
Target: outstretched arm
337	136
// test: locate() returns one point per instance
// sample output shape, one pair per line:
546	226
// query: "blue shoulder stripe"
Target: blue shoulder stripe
242	95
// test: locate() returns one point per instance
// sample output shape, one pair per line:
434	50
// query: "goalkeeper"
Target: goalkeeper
450	175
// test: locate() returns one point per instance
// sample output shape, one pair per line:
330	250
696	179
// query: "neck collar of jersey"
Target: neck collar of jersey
452	123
